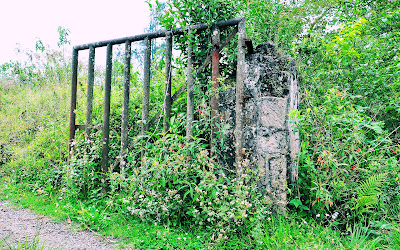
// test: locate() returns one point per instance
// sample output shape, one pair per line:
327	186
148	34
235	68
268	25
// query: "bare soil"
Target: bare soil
21	227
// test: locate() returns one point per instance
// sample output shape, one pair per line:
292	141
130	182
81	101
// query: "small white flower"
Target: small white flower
318	215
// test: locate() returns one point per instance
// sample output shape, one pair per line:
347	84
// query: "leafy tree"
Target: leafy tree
63	34
63	39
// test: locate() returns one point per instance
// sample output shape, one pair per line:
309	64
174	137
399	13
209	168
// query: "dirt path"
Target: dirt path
23	227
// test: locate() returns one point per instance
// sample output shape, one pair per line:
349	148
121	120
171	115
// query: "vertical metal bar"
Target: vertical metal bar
106	116
89	101
146	90
214	77
125	105
146	86
168	75
294	142
240	91
72	113
190	90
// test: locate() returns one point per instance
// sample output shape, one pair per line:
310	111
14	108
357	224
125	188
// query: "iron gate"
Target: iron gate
240	28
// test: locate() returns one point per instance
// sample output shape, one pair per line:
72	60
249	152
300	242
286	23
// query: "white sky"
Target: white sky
22	21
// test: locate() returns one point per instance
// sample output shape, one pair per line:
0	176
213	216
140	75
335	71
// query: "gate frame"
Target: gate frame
243	42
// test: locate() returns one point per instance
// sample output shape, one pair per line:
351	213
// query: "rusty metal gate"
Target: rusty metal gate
240	28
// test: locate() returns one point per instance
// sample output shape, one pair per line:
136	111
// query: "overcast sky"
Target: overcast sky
23	21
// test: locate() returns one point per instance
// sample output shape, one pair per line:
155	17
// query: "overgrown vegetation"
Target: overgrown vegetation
348	190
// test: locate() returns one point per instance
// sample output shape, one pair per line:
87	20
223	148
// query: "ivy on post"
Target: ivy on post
72	113
240	91
106	116
214	77
146	88
125	104
89	100
168	74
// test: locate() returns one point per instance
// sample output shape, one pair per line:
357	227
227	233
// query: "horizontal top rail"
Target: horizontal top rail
157	34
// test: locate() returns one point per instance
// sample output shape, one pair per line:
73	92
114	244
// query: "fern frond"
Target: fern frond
365	203
371	186
368	192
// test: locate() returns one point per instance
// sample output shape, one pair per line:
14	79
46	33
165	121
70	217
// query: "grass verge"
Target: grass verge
278	232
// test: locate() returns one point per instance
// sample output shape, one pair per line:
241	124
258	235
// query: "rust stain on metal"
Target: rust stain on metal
214	78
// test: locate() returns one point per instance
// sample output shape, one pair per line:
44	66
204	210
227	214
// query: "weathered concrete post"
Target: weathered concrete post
270	92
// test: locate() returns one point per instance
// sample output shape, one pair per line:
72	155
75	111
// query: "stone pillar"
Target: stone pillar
270	143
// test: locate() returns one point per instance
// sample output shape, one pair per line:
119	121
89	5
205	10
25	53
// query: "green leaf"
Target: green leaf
296	202
304	208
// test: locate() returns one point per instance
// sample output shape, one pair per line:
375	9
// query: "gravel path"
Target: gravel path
23	227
